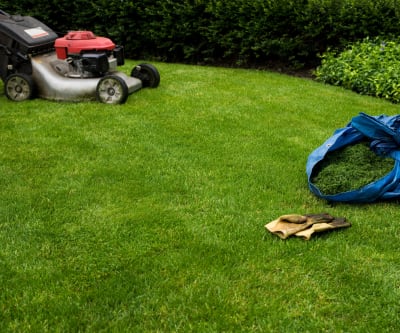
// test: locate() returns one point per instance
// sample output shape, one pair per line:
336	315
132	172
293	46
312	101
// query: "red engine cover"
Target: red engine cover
75	42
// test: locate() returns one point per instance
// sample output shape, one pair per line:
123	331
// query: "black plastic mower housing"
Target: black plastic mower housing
20	37
25	34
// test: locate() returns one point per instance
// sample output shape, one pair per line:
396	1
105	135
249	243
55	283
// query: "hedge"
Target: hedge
239	32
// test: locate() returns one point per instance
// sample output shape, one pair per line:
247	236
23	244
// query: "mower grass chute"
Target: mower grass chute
80	66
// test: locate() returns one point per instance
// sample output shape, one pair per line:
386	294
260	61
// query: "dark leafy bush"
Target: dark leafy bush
239	32
370	67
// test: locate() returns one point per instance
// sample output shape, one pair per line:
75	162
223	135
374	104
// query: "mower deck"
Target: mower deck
52	85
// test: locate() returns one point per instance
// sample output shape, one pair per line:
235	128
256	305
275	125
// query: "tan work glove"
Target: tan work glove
335	224
304	225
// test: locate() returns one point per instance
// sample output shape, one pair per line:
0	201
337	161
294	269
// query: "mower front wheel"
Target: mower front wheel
148	74
111	89
19	87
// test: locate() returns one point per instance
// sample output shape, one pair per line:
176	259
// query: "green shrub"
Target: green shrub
370	67
239	32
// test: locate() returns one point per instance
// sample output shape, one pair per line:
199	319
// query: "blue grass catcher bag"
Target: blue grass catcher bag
383	134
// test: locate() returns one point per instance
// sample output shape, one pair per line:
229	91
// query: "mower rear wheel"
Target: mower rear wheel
148	74
19	87
111	89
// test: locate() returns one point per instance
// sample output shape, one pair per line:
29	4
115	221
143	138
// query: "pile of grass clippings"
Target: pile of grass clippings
350	168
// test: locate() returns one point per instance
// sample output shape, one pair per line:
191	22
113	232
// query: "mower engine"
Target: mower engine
82	54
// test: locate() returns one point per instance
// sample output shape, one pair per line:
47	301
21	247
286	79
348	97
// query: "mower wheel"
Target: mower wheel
111	89
19	87
148	74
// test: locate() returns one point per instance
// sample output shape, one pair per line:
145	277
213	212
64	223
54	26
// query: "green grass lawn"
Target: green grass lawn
149	216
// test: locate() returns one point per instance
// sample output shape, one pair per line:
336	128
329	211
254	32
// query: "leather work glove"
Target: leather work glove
335	224
292	224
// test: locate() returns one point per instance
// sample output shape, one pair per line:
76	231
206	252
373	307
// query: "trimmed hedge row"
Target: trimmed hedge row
239	32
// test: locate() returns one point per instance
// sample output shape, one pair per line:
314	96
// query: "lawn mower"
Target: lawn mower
79	66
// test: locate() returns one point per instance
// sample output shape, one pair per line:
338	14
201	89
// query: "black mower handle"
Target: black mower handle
2	12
